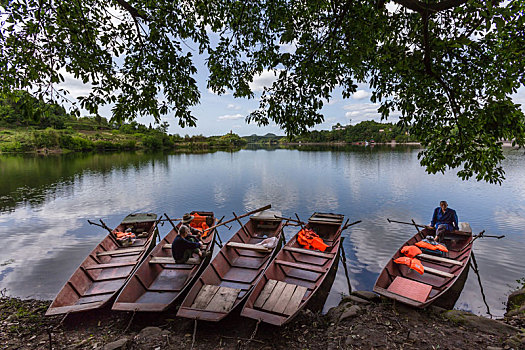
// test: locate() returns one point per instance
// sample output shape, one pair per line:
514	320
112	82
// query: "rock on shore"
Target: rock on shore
362	320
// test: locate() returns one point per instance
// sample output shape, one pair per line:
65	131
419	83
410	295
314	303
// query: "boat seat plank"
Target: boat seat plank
440	259
121	251
295	300
310	252
223	299
205	295
170	260
301	266
74	308
410	289
265	293
284	299
168	246
255	247
438	272
274	297
110	265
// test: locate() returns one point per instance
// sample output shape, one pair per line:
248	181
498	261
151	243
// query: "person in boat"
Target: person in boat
444	220
185	244
186	220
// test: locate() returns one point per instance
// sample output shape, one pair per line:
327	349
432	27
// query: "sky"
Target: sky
220	114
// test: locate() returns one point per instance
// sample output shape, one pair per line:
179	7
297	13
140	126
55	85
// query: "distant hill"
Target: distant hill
268	138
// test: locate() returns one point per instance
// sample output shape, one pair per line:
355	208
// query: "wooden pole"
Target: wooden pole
244	229
289	219
241	216
171	221
99	225
299	221
408	223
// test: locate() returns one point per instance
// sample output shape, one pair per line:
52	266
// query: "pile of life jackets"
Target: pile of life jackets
199	223
410	259
124	238
310	240
432	246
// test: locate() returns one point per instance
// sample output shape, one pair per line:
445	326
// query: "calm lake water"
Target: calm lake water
45	203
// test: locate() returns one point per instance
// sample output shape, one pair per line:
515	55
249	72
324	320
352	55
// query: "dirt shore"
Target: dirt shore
361	321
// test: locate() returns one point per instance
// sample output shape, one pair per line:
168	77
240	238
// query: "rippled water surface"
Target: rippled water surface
45	203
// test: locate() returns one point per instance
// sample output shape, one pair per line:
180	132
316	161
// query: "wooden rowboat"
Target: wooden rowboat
106	269
231	275
159	282
296	274
442	276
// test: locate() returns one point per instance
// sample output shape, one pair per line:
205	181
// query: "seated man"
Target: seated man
184	245
444	220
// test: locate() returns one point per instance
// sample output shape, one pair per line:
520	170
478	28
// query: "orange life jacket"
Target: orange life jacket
426	245
310	240
412	263
199	223
123	235
411	251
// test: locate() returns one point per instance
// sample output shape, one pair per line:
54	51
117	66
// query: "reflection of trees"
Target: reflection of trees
31	179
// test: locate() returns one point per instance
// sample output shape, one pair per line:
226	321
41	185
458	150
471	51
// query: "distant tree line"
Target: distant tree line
364	131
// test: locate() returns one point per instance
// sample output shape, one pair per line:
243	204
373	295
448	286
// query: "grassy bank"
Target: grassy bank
21	140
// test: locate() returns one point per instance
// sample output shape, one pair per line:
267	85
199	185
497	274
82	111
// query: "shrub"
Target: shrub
14	146
46	138
152	143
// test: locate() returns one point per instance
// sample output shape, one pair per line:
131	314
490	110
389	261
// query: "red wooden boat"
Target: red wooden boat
231	275
441	277
107	268
159	282
296	274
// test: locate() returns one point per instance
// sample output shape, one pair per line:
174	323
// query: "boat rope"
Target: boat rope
130	320
253	334
474	266
342	254
194	334
62	320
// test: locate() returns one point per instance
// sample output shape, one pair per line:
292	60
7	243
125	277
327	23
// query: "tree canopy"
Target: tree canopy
448	67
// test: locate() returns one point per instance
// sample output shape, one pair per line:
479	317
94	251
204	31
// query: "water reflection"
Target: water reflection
45	202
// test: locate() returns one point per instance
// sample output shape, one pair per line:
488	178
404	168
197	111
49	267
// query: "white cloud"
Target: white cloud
231	116
359	112
265	79
234	106
361	94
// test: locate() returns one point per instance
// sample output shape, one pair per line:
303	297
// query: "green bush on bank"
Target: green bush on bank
151	143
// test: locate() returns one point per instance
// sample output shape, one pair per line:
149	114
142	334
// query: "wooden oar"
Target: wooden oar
171	221
99	225
347	225
409	223
289	219
240	216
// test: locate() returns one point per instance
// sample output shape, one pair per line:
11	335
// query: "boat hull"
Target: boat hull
97	280
157	286
296	276
440	284
228	280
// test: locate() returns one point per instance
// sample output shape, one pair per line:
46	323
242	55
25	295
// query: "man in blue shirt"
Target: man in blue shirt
184	244
444	219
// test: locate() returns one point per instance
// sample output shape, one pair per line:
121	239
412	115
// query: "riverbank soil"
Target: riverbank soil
361	321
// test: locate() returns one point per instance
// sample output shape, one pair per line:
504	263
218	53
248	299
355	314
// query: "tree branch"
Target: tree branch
131	10
421	7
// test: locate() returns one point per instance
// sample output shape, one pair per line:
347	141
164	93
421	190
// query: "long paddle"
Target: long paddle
409	223
240	216
426	226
